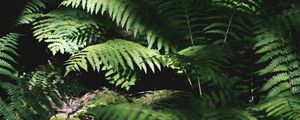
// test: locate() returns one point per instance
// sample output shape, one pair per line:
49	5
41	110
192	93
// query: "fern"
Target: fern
223	104
33	96
66	30
290	21
8	46
124	79
128	14
31	11
228	28
203	64
46	85
187	106
286	108
282	62
182	18
16	102
171	21
178	105
7	111
246	6
117	57
229	114
290	18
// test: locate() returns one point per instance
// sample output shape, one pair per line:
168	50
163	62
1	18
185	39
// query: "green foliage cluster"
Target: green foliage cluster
240	58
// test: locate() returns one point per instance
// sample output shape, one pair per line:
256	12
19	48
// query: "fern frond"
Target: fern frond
32	10
286	108
183	19
8	46
246	6
124	79
282	62
118	57
131	14
6	111
17	102
33	96
223	104
203	63
66	30
170	20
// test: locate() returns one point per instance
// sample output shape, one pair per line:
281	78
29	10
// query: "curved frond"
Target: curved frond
282	62
66	30
8	46
32	10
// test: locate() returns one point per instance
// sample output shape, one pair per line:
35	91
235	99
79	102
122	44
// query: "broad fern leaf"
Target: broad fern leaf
118	57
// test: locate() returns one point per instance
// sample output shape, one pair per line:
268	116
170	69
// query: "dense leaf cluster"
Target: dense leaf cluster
239	57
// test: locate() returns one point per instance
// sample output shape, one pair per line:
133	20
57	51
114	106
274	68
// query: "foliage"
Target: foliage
281	108
281	59
31	12
66	30
203	63
126	14
7	52
119	58
239	56
167	105
246	6
34	94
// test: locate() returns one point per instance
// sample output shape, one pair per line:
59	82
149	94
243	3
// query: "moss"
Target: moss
176	104
106	97
102	99
62	116
159	97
